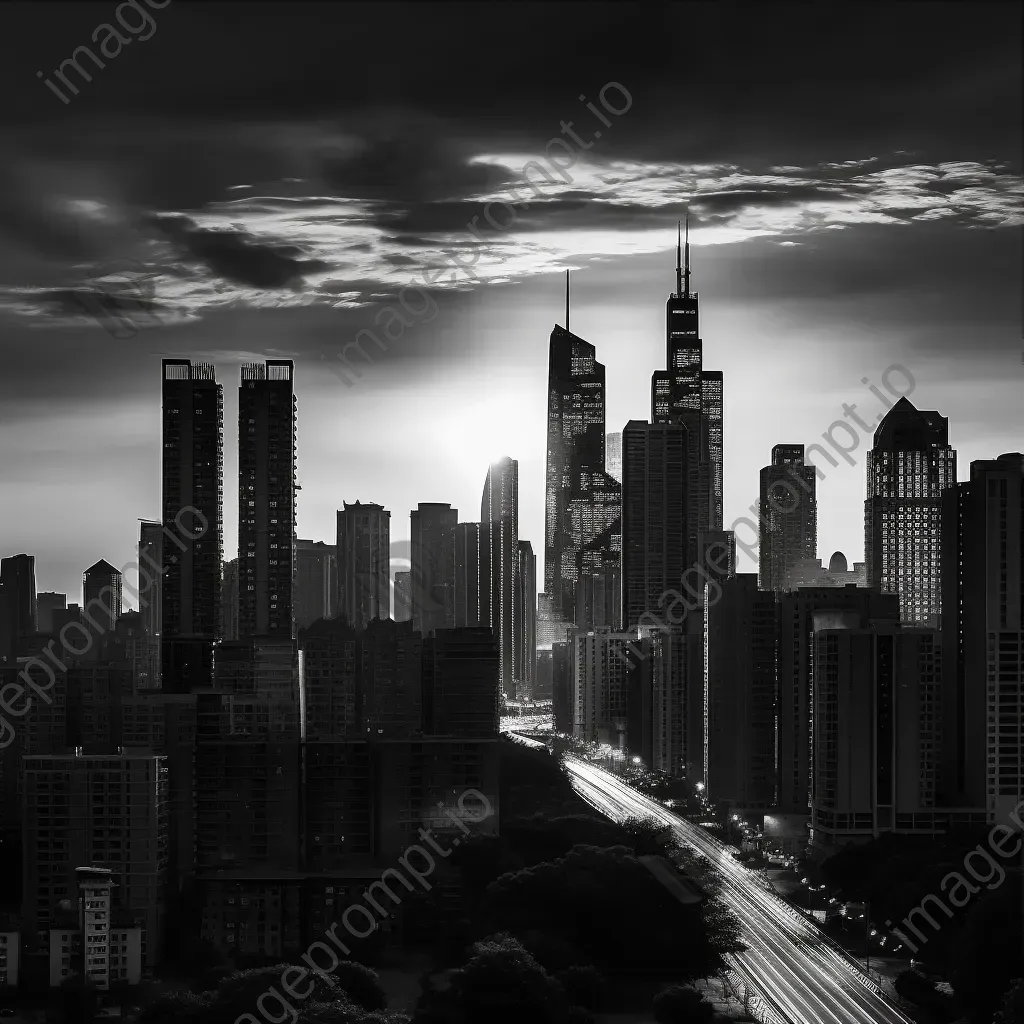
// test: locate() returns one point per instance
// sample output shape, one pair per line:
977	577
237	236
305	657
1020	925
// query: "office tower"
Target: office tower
108	811
794	677
877	732
364	563
908	468
316	581
542	686
46	603
983	637
229	624
655	539
266	499
499	552
712	386
563	706
690	397
403	597
716	560
613	455
17	605
102	590
150	591
600	664
575	447
432	566
526	613
739	748
551	627
472	576
193	498
789	517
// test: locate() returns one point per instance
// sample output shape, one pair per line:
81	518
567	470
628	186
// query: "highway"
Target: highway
798	973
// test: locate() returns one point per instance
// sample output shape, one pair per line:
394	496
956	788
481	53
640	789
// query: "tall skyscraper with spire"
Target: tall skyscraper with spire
583	503
687	395
908	468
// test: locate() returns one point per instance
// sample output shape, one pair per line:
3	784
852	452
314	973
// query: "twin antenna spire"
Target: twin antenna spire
683	266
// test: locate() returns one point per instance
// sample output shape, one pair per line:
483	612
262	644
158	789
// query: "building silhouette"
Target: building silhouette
432	566
983	637
364	563
789	517
102	588
151	548
526	599
613	455
909	466
193	499
403	597
499	560
46	604
316	581
17	605
266	499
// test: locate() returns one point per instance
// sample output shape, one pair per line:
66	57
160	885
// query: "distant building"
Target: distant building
613	455
266	499
150	592
908	468
17	605
499	557
526	597
789	517
316	581
472	576
229	624
364	563
432	566
403	597
600	663
46	604
102	590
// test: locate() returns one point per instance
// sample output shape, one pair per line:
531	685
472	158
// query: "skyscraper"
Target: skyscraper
402	611
17	604
472	576
102	590
364	563
432	566
193	498
789	517
150	560
655	548
499	548
688	396
983	637
908	468
613	455
526	599
316	581
266	499
575	457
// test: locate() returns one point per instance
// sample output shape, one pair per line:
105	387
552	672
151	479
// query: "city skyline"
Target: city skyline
832	250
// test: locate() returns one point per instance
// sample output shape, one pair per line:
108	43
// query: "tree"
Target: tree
649	836
585	986
501	984
1012	1009
174	1007
361	984
680	1005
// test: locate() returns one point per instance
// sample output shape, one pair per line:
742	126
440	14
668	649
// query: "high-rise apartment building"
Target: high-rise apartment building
600	674
789	517
403	597
108	811
102	588
983	638
316	581
432	566
472	576
193	499
150	606
364	563
909	466
229	626
266	499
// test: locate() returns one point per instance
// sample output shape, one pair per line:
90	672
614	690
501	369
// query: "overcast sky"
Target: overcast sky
269	177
